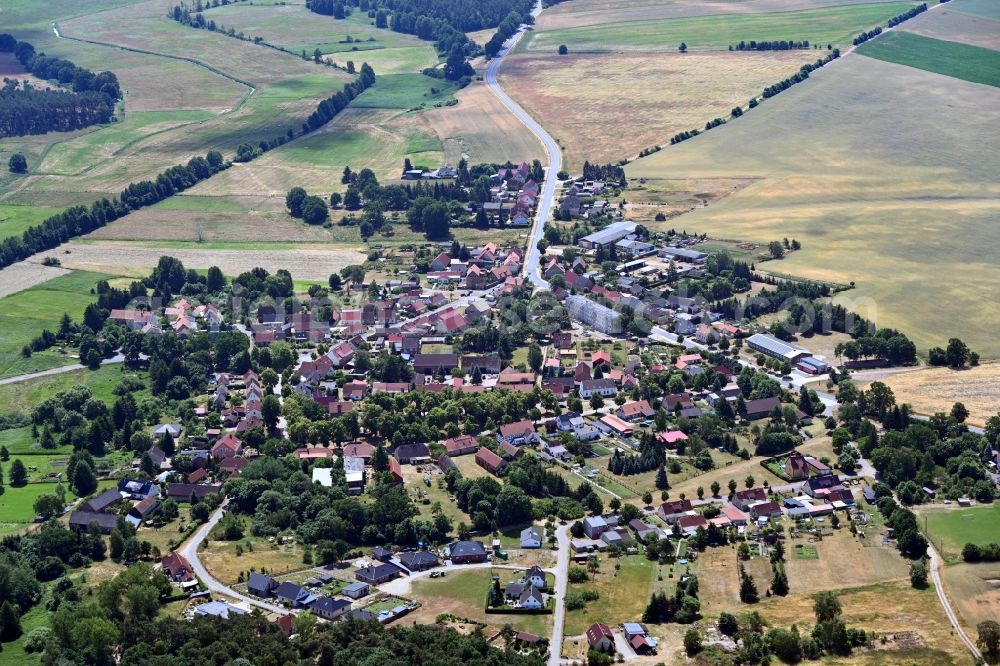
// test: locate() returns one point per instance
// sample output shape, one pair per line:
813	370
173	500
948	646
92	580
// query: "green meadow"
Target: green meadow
961	61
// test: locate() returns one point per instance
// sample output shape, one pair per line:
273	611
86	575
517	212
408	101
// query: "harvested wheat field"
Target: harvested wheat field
955	26
882	203
481	129
665	93
581	13
307	262
937	389
211	219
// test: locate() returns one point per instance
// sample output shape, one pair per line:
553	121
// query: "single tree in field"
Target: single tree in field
683	47
563	50
17	163
18	474
989	639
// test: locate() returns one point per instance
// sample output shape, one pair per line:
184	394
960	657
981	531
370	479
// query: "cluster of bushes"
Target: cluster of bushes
976	553
310	208
25	109
799	76
865	36
80	220
683	607
907	15
609	173
775	45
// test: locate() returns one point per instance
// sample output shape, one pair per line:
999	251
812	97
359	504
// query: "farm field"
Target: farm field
974	591
582	13
463	594
962	61
829	25
953	24
668	93
311	262
986	8
23	316
481	129
931	390
870	561
294	27
359	138
950	528
873	192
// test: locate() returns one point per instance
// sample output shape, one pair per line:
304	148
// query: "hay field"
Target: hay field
962	61
974	590
359	138
296	28
987	8
481	129
580	98
828	25
932	390
257	219
581	13
869	563
948	24
907	213
306	262
15	219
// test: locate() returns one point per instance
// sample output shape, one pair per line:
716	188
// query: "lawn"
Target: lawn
864	198
624	592
23	316
803	552
828	25
951	528
463	593
17	504
962	61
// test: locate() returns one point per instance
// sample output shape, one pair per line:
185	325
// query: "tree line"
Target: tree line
606	172
80	220
507	28
907	15
774	45
25	109
799	76
865	36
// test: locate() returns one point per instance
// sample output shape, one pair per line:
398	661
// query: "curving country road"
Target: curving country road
189	550
547	194
946	603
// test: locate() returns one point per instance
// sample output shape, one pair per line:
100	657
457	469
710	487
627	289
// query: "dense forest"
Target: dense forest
88	99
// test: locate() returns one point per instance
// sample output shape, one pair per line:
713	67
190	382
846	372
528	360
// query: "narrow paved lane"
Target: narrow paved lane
946	603
562	578
548	192
190	552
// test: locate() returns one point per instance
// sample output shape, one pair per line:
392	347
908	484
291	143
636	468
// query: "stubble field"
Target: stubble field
902	203
579	99
952	23
827	25
932	390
